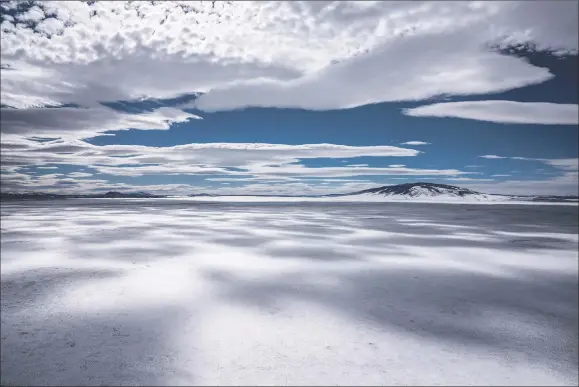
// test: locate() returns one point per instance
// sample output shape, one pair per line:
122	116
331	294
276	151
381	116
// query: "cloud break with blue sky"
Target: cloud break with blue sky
241	97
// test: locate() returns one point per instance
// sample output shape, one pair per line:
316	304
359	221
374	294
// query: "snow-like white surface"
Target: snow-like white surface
163	292
371	198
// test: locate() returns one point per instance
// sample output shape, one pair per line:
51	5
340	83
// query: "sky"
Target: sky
242	97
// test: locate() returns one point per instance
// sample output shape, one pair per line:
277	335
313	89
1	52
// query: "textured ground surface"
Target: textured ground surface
167	292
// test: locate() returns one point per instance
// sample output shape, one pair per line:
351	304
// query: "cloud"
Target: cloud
507	112
251	160
571	164
189	156
565	164
492	157
416	67
315	55
59	183
566	183
79	174
415	143
34	14
84	122
466	179
311	55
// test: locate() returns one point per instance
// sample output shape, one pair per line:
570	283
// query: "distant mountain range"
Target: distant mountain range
411	191
42	195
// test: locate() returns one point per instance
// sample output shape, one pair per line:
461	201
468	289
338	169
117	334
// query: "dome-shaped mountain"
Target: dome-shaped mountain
422	190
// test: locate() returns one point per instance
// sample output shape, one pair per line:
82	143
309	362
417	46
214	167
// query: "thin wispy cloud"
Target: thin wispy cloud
510	112
492	157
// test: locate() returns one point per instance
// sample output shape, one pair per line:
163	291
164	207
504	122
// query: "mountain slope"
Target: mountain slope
423	190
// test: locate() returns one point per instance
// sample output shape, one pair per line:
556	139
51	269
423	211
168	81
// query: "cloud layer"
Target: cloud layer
507	112
62	62
313	55
252	160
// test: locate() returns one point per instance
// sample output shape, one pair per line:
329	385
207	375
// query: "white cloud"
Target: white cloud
313	55
565	184
79	174
50	26
299	170
84	122
301	187
492	157
58	183
415	143
252	160
34	14
239	155
565	164
413	68
508	112
275	53
466	179
500	175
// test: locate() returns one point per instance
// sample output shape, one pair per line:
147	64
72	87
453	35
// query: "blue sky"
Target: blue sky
338	97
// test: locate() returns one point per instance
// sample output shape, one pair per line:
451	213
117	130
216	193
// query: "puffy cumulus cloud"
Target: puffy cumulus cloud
83	122
50	26
125	50
315	55
508	112
34	14
415	143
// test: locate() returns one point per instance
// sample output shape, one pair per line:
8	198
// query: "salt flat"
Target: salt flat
170	292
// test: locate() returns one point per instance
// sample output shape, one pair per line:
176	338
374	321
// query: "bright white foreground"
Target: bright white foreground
190	293
370	198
